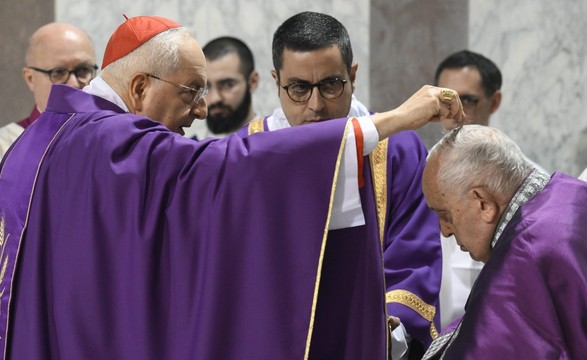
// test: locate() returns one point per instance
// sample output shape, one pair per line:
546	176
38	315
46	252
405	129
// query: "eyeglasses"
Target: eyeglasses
301	91
469	100
197	94
83	73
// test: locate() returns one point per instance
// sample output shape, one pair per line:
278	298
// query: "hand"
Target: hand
393	322
428	104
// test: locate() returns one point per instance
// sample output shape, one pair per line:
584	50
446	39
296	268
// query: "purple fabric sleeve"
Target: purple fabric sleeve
142	244
412	250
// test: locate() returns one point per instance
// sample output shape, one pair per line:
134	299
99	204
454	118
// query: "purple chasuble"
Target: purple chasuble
16	184
411	239
34	115
143	244
530	300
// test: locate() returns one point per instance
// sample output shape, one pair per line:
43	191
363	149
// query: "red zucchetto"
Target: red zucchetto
133	33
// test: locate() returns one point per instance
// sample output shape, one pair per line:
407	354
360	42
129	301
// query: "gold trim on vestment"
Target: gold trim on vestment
378	160
256	126
412	301
4	259
325	237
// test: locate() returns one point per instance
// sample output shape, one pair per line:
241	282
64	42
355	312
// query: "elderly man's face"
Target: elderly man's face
309	68
461	216
172	105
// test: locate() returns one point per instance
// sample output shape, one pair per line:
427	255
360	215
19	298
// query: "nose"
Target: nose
200	110
73	81
446	229
213	95
316	101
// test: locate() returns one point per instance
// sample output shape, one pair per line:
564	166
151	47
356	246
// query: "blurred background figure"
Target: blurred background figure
57	53
477	80
232	79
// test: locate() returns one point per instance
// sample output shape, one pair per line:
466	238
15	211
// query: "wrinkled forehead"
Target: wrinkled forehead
192	61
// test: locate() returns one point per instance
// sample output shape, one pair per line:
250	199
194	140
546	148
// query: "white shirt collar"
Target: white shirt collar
277	120
100	88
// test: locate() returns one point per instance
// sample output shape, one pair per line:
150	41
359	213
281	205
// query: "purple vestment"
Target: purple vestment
530	300
411	244
33	116
143	244
412	249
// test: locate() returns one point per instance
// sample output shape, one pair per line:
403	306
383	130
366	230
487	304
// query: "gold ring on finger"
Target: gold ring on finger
447	95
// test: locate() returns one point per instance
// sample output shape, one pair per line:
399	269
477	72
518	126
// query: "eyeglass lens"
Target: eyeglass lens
329	89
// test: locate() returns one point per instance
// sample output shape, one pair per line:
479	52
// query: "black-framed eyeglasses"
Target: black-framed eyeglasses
197	94
301	91
83	74
469	100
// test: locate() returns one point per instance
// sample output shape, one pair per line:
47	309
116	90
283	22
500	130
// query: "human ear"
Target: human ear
495	101
27	74
253	80
353	75
276	78
486	205
137	88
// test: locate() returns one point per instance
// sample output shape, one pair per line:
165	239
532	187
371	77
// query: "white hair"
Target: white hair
159	56
475	155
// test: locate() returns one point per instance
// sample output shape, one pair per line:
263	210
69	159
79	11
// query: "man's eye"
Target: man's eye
58	73
469	99
444	217
83	71
299	88
226	85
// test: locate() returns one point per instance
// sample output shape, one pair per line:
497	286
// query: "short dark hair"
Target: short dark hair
309	31
222	46
490	74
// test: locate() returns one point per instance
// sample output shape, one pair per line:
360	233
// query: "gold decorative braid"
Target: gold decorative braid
378	160
4	259
412	301
256	125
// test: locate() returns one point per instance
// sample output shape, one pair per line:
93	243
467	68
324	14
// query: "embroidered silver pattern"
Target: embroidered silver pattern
533	184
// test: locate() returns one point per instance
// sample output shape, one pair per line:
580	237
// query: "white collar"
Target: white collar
100	88
277	120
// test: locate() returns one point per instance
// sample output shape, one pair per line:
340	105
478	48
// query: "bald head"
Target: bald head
56	45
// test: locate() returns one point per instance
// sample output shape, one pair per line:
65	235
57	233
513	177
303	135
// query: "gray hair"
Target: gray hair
475	155
158	56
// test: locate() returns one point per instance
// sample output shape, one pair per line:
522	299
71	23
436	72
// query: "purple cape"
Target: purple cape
142	244
411	237
530	299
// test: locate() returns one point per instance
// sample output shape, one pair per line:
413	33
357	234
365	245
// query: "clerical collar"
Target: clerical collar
100	88
533	184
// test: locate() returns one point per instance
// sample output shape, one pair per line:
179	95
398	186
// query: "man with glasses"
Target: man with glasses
232	79
58	53
315	79
135	242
